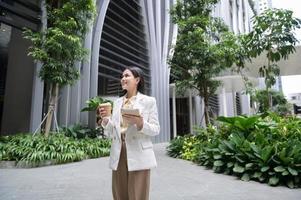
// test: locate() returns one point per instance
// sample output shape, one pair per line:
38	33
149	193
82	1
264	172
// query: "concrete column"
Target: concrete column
198	110
75	100
85	78
234	13
241	19
224	11
38	84
17	111
158	40
36	99
202	123
64	106
245	104
174	111
190	112
223	103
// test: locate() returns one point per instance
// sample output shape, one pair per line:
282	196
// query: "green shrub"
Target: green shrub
279	103
190	148
264	148
36	149
93	103
95	148
79	131
175	147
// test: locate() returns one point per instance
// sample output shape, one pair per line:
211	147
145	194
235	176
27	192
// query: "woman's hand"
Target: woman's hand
103	112
133	119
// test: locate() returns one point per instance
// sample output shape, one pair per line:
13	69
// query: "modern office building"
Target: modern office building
236	14
262	5
127	32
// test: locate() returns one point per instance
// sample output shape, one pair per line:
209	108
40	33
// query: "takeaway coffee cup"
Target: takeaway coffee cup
107	106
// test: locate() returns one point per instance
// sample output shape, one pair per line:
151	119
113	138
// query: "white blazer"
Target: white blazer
140	153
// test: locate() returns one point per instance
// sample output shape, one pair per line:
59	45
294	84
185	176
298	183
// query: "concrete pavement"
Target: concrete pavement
174	179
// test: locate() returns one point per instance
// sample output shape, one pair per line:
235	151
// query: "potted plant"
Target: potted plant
93	103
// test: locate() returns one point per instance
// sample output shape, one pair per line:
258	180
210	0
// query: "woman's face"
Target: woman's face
128	81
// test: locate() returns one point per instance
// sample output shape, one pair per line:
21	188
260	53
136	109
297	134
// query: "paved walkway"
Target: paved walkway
174	179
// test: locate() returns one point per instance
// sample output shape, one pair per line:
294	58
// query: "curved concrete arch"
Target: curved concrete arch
72	99
160	32
102	6
160	36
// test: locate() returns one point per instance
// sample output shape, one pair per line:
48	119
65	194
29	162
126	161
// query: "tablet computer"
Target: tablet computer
128	111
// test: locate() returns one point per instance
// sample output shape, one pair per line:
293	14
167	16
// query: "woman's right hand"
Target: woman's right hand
103	112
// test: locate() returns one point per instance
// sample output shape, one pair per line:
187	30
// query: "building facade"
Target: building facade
17	70
262	5
125	33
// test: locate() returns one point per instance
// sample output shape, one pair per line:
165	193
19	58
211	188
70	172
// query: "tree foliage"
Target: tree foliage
59	46
273	34
279	104
204	48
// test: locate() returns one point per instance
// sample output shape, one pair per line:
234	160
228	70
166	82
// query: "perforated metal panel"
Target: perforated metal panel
214	106
123	43
19	14
238	103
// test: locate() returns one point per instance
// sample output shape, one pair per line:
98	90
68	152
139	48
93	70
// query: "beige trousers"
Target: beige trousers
129	185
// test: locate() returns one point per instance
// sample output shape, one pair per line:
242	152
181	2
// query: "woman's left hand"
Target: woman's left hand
133	119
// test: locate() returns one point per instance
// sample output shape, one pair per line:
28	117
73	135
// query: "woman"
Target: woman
132	155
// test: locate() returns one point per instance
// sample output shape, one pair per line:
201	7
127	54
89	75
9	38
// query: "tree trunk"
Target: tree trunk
53	94
267	103
269	95
270	101
206	113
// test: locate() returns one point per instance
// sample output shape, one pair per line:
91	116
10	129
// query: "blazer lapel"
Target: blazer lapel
118	116
118	105
138	102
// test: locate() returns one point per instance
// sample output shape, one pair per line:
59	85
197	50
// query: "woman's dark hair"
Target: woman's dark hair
137	72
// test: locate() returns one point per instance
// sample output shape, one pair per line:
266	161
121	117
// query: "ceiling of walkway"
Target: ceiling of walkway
292	66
